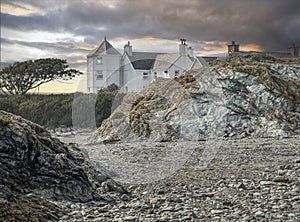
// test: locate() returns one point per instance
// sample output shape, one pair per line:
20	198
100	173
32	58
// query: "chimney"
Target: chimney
233	47
293	50
183	47
128	49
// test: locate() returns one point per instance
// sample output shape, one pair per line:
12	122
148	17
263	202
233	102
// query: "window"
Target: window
145	75
166	71
99	75
155	75
176	72
99	61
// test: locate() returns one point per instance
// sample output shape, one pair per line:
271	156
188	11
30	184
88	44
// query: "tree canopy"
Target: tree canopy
21	77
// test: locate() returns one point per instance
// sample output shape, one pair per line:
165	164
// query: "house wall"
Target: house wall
90	76
160	73
182	64
110	70
135	81
141	80
126	73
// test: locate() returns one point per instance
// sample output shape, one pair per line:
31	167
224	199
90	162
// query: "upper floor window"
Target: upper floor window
99	61
99	75
145	75
176	72
155	75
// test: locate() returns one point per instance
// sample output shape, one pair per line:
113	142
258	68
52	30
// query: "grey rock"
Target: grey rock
266	183
31	159
239	96
130	218
241	186
281	179
216	211
36	168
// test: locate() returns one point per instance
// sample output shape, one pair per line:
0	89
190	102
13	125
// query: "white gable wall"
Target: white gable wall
108	68
143	80
136	82
126	73
182	64
90	76
160	73
133	79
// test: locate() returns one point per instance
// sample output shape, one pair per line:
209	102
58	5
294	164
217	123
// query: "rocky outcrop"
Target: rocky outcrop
33	165
20	207
247	94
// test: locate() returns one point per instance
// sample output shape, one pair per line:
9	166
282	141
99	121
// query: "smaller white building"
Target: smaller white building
131	71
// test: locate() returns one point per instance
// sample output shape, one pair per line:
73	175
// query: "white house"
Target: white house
132	71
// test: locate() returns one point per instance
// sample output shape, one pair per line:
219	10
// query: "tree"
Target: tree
112	87
23	76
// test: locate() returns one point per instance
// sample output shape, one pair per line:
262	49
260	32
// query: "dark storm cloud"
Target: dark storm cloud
269	23
74	53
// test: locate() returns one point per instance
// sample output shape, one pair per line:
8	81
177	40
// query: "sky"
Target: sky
70	29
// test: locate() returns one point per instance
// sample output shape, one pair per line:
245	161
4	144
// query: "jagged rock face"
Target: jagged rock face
242	95
20	207
31	161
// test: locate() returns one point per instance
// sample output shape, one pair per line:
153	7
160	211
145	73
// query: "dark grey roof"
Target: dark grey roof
143	60
105	46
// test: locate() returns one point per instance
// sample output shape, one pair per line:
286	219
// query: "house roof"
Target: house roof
143	60
164	61
105	46
201	60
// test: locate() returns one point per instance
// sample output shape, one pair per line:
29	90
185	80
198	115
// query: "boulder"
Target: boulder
31	161
20	207
245	94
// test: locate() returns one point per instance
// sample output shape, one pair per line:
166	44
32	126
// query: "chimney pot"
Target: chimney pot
128	49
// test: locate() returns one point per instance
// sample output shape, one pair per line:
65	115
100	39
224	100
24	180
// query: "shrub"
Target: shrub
55	110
